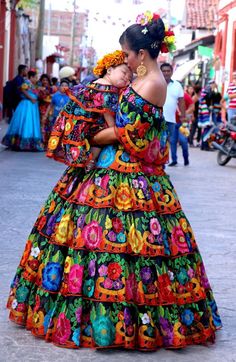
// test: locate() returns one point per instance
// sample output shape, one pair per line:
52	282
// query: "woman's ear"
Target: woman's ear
142	54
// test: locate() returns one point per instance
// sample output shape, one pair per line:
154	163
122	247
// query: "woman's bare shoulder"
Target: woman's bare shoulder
154	91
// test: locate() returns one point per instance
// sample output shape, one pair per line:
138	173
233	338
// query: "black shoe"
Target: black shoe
172	164
186	163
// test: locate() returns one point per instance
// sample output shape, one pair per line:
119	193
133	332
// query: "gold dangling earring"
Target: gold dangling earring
141	70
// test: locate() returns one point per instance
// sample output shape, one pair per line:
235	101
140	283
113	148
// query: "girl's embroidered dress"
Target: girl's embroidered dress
112	260
24	130
81	119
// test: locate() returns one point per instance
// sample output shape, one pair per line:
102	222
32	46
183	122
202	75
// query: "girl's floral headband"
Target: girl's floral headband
168	44
109	60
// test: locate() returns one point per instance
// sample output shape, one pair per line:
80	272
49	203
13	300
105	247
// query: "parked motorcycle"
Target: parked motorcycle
227	147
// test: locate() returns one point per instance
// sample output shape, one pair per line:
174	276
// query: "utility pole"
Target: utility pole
39	40
73	24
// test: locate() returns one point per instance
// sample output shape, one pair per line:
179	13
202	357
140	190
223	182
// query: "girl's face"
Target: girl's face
45	82
131	57
120	76
34	79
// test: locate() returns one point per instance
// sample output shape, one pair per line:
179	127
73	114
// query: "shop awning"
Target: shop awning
183	70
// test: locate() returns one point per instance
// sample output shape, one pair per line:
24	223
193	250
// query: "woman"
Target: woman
194	126
112	260
24	133
45	97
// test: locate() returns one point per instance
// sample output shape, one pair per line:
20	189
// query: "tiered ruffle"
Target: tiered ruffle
112	262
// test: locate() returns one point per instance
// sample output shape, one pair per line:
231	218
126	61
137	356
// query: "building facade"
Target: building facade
225	45
193	60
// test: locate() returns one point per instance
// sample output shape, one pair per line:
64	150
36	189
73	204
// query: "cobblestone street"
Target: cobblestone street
205	191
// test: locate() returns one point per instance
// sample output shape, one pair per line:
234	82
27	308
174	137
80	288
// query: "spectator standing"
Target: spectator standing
24	133
12	91
68	73
45	97
209	114
58	101
194	125
174	100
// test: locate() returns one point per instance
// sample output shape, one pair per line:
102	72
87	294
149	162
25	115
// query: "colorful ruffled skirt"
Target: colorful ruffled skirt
112	262
24	132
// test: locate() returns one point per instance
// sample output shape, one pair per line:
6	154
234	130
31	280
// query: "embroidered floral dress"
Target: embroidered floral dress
79	120
112	260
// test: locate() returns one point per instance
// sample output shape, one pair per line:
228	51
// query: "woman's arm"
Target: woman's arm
28	96
105	137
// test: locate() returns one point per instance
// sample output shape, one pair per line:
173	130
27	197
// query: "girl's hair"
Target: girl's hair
31	73
151	40
45	76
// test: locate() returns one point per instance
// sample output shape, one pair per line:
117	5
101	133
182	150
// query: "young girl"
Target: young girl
24	132
91	109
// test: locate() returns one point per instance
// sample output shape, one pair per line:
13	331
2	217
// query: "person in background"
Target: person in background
68	73
194	125
12	91
58	101
182	128
231	91
45	97
55	84
209	114
174	100
24	132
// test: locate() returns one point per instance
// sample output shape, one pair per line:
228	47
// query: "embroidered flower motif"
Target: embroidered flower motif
76	336
121	238
75	278
145	318
117	225
92	268
63	329
64	231
135	239
155	226
123	197
52	274
114	271
103	331
14	304
156	187
187	317
92	235
108	283
35	252
102	271
88	288
178	238
146	274
106	157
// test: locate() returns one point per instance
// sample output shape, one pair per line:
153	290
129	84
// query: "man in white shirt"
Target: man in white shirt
174	100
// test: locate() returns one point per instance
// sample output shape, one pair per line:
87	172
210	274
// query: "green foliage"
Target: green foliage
28	4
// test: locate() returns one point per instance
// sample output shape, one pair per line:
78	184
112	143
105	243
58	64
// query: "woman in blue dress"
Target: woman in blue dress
24	132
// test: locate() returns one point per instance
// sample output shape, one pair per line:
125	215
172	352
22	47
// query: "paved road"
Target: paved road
208	196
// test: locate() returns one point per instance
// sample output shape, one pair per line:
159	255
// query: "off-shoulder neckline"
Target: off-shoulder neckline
153	105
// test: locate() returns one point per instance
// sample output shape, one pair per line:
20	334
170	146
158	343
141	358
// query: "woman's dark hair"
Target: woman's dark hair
45	76
138	38
31	73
